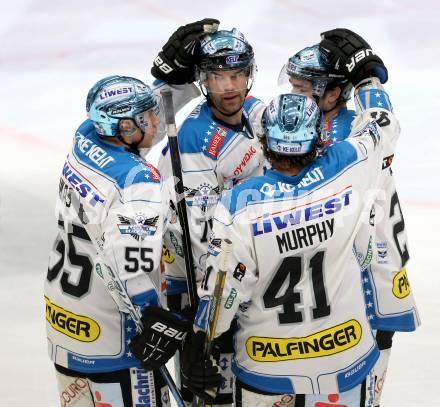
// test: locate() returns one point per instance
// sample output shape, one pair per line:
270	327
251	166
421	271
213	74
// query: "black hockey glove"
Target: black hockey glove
201	376
175	64
350	55
162	335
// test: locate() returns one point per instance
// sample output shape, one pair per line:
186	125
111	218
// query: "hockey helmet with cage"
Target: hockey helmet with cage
292	125
115	98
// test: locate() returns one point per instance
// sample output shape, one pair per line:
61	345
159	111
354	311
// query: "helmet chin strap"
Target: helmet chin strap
132	146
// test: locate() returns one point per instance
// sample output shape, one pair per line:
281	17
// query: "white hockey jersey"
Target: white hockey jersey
389	300
214	156
123	194
293	280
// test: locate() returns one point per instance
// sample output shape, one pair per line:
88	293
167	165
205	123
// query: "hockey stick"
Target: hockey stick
176	165
216	299
117	290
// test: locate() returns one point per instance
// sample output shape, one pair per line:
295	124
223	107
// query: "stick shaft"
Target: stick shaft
216	299
176	165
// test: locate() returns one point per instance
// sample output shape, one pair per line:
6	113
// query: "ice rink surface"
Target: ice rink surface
51	53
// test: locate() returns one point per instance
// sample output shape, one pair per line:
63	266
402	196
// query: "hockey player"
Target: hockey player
308	74
105	184
389	308
292	278
218	148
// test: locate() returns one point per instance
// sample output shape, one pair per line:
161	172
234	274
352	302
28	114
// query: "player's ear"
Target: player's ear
333	94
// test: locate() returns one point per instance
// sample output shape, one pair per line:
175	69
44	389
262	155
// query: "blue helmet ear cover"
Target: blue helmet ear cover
292	125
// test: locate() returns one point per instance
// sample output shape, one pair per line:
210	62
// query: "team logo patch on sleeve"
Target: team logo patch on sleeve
320	344
139	226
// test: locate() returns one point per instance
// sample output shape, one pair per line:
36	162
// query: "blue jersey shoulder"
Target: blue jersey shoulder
250	102
340	126
193	131
116	162
202	133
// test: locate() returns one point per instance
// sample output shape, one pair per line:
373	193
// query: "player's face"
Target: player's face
147	122
227	89
329	99
129	131
302	86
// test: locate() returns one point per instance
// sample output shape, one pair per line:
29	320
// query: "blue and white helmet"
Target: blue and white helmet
121	97
292	124
224	50
310	64
307	64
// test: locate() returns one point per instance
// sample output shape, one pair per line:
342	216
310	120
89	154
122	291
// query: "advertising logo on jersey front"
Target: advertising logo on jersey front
246	158
324	343
217	140
75	326
313	228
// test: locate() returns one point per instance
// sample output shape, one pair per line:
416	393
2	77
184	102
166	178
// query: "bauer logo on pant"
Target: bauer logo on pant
324	343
